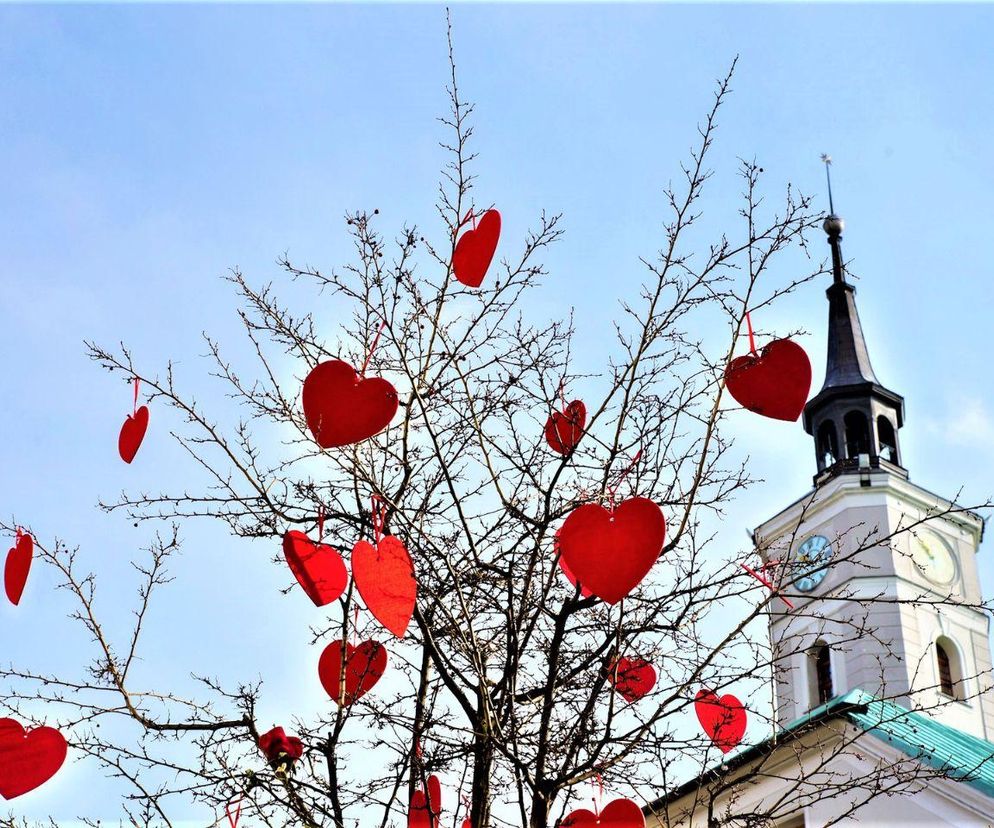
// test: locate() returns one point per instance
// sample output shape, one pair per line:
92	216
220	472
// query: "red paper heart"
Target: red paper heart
28	758
15	570
632	677
363	667
384	576
611	552
584	592
775	383
564	428
622	813
318	568
132	434
342	408
723	719
475	250
426	810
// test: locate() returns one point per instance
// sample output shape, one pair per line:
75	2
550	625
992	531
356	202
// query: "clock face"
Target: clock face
810	563
933	558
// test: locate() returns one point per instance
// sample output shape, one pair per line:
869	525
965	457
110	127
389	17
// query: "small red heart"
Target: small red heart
611	552
132	434
384	576
622	813
475	250
318	568
775	383
363	667
564	428
632	677
426	810
723	719
584	592
28	758
15	571
342	408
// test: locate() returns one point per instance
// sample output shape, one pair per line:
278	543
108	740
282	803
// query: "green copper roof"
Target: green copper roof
957	754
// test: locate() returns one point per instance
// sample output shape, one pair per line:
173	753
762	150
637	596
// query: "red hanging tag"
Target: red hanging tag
369	355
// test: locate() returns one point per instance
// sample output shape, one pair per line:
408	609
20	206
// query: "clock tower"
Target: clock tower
882	573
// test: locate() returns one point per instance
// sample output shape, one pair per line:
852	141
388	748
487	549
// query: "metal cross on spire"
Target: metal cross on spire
828	176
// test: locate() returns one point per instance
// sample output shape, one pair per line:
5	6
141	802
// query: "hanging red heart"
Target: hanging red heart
132	434
15	570
318	568
611	552
632	677
384	576
584	592
342	408
363	667
475	250
775	383
723	719
622	813
564	428
426	810
28	758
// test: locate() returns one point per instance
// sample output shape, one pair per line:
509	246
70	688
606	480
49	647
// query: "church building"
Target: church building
883	667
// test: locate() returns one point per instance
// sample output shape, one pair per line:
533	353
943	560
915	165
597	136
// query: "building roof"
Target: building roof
959	755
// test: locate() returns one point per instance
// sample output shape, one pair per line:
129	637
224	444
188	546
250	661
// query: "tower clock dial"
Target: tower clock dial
810	563
933	558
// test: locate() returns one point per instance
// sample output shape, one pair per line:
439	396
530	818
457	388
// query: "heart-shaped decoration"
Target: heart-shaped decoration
426	809
15	570
611	552
132	434
775	383
364	665
342	408
564	428
631	677
384	576
723	719
475	250
28	758
622	813
318	568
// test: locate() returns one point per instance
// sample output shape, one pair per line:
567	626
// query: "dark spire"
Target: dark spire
853	415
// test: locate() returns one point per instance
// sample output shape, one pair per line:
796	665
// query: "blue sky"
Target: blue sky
147	149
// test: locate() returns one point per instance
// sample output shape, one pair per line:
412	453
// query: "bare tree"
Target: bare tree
503	679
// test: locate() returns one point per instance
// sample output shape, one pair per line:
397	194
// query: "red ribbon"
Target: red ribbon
624	474
752	341
233	820
378	510
137	382
372	347
320	521
766	583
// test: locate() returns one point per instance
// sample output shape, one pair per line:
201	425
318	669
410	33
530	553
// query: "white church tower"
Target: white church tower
882	572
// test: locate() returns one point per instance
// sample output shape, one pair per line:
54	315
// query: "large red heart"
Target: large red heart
723	719
132	434
342	408
384	576
15	570
28	758
564	428
426	810
318	568
611	552
584	592
775	383
632	677
622	813
475	250
363	667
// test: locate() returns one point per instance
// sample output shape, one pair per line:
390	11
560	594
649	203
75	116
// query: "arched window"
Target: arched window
888	440
857	434
828	445
949	668
821	673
